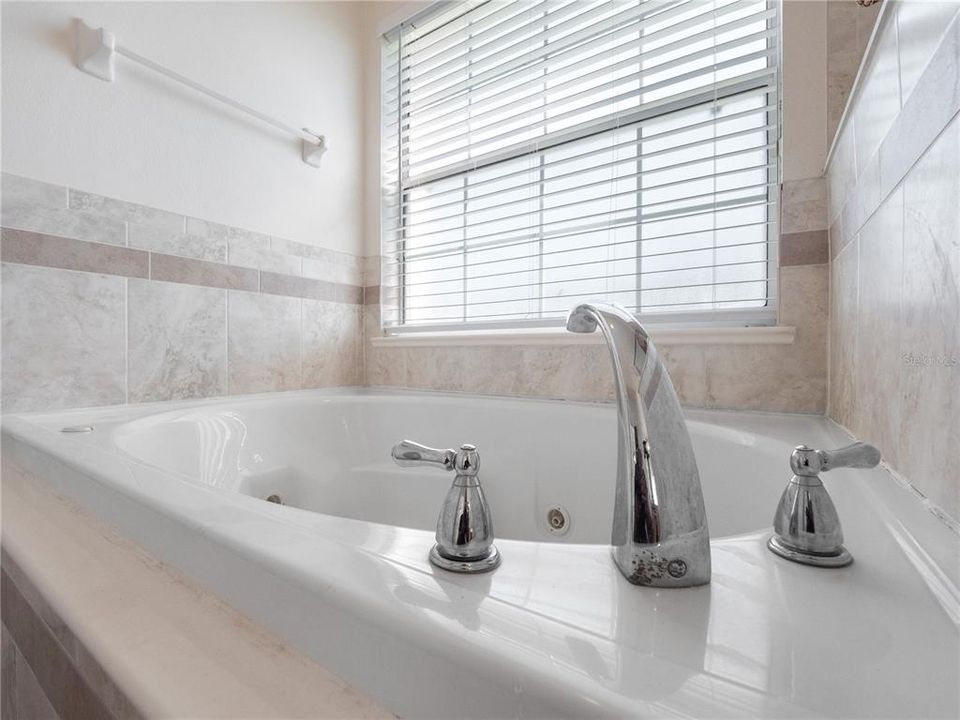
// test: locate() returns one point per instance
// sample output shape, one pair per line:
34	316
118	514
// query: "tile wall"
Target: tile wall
778	377
894	179
108	302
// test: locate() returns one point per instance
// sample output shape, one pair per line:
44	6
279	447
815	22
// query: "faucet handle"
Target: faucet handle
807	462
466	460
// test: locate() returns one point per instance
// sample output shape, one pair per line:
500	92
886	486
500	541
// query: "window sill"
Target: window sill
759	335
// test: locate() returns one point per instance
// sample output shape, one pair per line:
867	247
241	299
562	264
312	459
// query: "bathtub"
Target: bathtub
289	507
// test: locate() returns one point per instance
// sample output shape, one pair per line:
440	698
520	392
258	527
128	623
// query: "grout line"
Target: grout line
126	340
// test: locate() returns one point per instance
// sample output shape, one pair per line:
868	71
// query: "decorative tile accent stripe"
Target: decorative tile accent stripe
188	271
804	248
32	248
932	104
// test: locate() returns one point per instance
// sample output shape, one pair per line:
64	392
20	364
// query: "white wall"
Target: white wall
149	141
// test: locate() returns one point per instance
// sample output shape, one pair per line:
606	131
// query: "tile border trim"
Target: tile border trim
902	146
25	247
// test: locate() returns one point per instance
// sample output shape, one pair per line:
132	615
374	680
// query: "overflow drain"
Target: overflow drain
558	520
77	429
275	499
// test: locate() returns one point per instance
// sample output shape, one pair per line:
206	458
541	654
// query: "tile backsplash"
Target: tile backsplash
895	248
108	302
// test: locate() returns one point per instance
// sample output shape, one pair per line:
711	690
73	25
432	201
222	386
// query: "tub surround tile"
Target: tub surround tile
63	339
879	94
177	338
62	222
332	344
930	323
263	345
127	211
804	248
877	346
22	698
929	108
30	248
163	241
26	191
803	206
895	248
301	287
334	269
920	27
170	268
687	365
255	252
371	295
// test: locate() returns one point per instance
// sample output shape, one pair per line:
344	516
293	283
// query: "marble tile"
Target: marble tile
63	222
803	206
371	270
790	378
263	343
843	333
920	26
804	248
842	172
347	270
371	295
177	341
26	191
293	286
876	417
207	228
434	368
930	324
842	68
497	370
63	339
332	344
929	108
171	268
174	243
129	212
687	365
878	97
250	250
29	248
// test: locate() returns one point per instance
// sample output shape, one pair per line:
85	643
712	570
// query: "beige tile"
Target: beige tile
687	365
332	339
292	286
842	172
63	339
177	338
433	368
803	206
804	248
63	222
173	243
878	101
30	248
921	25
843	334
171	268
121	210
876	417
263	343
26	191
930	324
931	106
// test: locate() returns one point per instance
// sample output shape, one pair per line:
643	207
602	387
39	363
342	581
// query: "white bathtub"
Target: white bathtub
341	569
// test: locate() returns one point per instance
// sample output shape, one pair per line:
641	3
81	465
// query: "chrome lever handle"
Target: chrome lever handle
466	460
410	454
807	462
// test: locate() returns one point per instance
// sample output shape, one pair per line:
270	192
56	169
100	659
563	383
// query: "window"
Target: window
541	152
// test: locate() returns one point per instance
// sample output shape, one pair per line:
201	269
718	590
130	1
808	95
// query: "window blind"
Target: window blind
539	153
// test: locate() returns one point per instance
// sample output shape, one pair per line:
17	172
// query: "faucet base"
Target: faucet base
488	562
840	558
682	561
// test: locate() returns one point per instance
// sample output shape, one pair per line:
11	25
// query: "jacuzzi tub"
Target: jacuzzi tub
340	569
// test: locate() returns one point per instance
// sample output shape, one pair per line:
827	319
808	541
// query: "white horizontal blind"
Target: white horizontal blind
542	152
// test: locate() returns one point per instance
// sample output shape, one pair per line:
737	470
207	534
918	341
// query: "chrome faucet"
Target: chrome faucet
660	535
806	527
465	527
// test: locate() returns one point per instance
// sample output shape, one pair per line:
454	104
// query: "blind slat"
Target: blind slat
537	152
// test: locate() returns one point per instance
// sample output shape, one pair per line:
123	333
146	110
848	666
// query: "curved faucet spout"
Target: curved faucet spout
660	536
